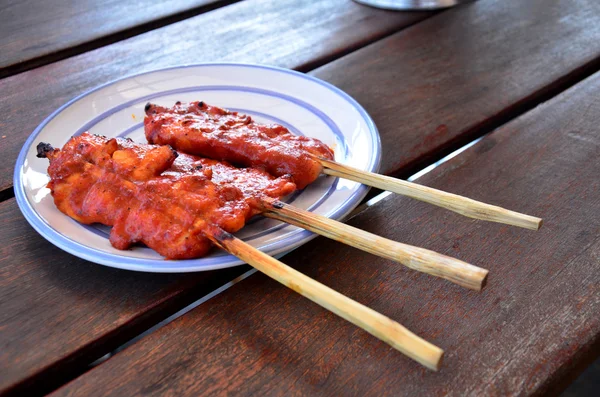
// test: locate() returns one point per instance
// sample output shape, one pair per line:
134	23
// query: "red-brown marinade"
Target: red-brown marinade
152	195
209	131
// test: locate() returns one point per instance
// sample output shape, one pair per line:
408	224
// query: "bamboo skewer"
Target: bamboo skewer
371	321
416	258
453	202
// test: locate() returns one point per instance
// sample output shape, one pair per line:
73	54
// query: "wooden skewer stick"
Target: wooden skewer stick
371	321
453	202
416	258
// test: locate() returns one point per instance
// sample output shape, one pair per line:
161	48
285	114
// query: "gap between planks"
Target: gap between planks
369	201
111	38
169	20
512	112
250	272
376	195
413	171
492	123
174	316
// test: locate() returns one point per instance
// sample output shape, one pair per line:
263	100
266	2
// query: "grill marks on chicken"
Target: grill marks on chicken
210	131
152	195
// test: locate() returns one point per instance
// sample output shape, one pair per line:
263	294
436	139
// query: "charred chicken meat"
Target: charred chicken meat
209	131
153	195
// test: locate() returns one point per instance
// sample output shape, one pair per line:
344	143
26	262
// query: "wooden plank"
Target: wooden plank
425	96
435	86
33	32
58	309
34	94
278	32
537	318
57	313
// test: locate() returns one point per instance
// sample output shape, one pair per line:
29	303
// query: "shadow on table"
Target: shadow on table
588	383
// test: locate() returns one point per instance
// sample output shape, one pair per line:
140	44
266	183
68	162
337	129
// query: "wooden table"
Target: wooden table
522	74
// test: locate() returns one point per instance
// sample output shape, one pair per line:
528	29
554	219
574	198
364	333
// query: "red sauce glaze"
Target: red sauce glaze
152	195
213	132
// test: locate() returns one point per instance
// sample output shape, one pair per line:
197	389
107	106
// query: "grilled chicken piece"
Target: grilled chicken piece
210	131
152	195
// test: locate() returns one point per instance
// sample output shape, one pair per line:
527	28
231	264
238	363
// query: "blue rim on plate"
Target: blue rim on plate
216	262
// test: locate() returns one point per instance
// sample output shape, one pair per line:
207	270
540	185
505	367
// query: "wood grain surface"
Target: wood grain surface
284	33
441	82
33	31
58	313
58	309
534	321
429	88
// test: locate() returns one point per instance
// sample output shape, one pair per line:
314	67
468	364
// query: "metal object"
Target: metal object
412	4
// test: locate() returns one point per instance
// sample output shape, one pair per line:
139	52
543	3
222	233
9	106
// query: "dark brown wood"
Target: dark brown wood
442	82
519	71
34	32
285	33
537	318
58	313
58	310
425	95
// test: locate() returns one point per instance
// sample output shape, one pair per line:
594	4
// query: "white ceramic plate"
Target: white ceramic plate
303	104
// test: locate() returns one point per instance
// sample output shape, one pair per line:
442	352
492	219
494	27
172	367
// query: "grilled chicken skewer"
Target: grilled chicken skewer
200	129
363	317
416	258
216	133
150	194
